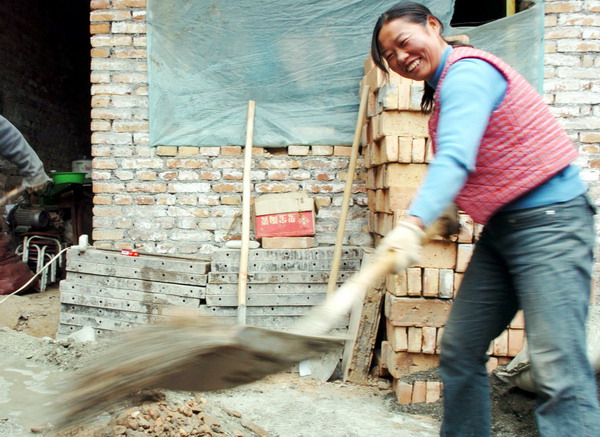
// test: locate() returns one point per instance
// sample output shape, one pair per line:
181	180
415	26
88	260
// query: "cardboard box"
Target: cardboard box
284	215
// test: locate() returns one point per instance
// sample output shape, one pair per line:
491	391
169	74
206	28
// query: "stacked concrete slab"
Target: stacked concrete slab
417	302
109	291
283	284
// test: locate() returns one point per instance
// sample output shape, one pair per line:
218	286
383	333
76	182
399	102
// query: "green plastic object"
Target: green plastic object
68	177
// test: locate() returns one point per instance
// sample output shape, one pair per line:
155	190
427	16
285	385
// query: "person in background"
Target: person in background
505	160
14	148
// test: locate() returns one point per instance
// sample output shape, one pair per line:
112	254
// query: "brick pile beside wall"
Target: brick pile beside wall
184	199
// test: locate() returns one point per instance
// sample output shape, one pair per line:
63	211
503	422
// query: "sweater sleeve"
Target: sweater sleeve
17	150
471	91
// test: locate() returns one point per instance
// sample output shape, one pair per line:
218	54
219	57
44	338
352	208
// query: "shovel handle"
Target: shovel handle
321	319
11	194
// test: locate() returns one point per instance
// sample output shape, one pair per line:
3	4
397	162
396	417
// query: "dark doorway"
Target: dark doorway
44	71
469	13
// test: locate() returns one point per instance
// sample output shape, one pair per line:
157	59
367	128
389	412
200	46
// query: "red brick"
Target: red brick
99	4
404	393
100	53
107	234
465	233
129	4
410	311
400	123
491	364
231	200
144	200
433	391
99	28
561	8
342	151
231	150
107	188
227	188
415	339
429	339
110	15
397	284
463	256
418	150
431	282
279	164
102	200
397	337
415	281
403	363
438	254
403	175
501	345
276	188
516	339
298	150
419	394
405	149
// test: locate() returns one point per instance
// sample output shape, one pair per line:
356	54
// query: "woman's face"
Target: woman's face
413	50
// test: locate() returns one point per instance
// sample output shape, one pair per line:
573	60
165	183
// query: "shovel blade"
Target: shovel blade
188	354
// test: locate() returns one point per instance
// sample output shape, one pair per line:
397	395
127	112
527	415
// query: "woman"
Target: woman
504	159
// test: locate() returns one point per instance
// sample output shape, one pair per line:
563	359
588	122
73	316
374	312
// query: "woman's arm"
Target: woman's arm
472	90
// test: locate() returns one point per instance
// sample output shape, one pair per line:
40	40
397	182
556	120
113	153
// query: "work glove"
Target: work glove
447	224
36	182
405	242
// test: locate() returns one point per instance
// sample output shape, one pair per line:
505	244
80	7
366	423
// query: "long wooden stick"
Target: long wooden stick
11	194
337	254
243	274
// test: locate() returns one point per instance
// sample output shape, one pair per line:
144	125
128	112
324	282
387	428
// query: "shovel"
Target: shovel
201	354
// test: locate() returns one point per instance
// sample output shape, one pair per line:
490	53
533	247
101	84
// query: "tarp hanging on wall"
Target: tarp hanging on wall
300	60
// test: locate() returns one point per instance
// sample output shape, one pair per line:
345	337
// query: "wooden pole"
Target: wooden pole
243	273
337	254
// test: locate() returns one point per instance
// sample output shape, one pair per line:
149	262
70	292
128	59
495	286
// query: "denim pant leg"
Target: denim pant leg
549	254
483	307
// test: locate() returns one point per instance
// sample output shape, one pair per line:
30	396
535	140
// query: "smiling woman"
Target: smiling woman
413	50
500	154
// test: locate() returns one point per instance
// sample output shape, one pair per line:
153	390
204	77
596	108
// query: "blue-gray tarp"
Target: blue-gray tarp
300	60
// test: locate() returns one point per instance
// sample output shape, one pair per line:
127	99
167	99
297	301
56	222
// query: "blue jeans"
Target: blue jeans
538	259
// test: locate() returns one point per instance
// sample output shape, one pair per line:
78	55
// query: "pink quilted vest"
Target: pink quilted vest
522	147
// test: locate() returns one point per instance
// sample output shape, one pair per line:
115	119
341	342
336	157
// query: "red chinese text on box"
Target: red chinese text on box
287	224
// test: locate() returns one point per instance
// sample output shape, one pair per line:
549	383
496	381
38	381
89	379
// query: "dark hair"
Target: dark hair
414	13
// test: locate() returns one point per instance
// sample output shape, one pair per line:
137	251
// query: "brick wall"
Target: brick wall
182	200
44	88
572	80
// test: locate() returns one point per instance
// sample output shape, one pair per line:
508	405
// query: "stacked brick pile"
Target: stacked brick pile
417	302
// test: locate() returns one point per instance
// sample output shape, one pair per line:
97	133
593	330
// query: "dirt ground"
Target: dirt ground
284	405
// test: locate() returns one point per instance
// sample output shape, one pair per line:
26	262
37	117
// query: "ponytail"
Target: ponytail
429	91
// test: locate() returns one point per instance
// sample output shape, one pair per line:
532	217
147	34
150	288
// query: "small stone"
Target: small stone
118	430
233	413
132	423
186	410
